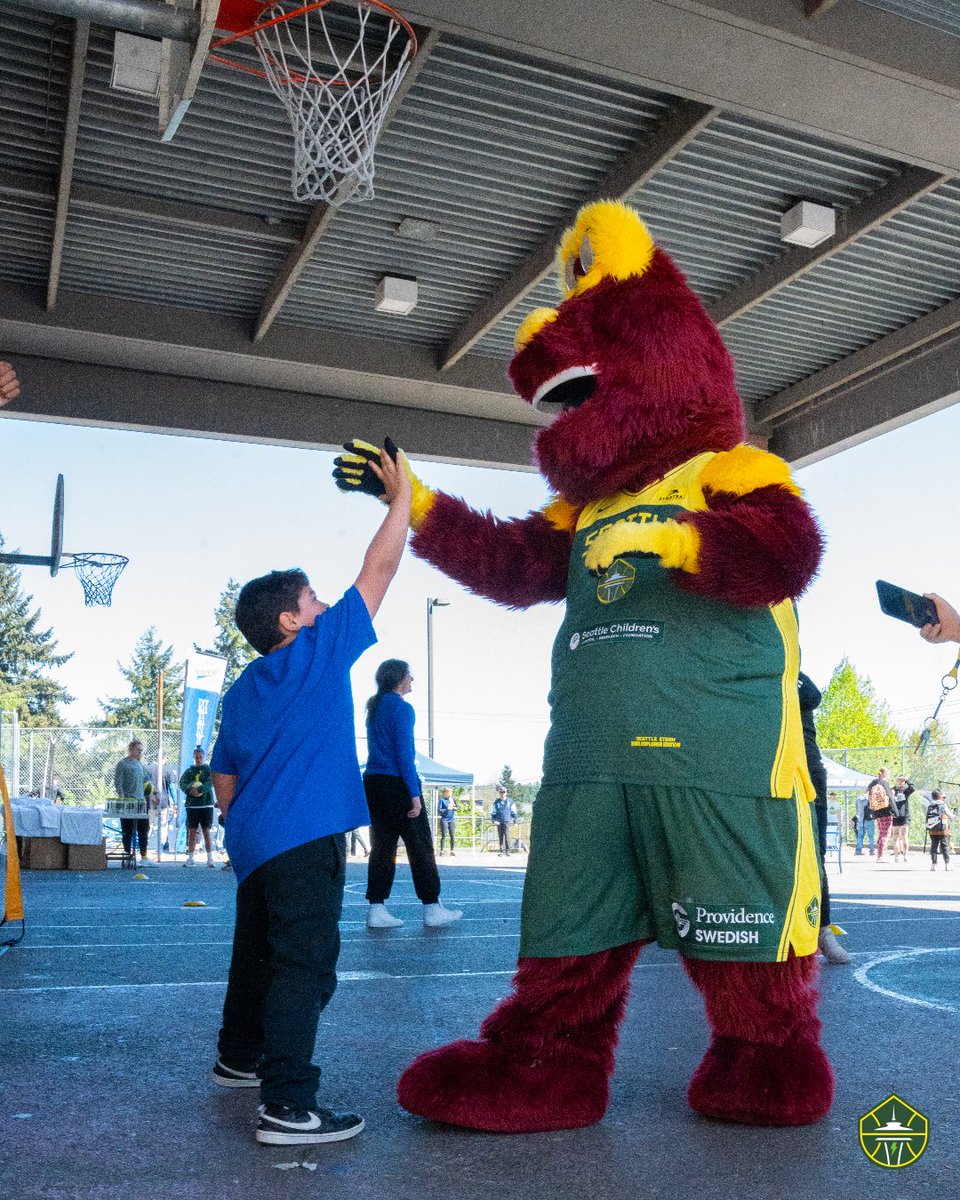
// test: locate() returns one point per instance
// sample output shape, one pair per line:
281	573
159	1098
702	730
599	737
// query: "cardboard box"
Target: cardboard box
87	858
43	854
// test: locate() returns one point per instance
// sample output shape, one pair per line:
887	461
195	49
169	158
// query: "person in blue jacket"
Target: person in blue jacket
395	799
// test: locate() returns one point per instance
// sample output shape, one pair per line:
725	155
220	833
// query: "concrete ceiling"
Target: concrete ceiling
179	286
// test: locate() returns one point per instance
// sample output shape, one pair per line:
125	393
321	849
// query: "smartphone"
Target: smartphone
906	606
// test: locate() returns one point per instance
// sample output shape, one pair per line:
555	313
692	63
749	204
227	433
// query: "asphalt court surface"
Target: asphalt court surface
111	1005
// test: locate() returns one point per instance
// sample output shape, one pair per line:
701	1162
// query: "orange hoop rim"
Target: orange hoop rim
297	12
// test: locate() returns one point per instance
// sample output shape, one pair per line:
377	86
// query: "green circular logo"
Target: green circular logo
616	581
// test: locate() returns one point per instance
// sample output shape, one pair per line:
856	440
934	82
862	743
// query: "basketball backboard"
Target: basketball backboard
181	64
56	535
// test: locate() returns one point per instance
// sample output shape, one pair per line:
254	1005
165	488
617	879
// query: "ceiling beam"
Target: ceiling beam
880	206
323	214
208	346
632	171
114	398
860	76
913	385
135	206
71	129
854	369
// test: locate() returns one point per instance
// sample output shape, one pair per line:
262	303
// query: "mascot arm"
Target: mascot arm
757	542
517	563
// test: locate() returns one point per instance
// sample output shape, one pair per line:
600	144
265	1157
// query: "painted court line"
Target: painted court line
342	977
862	976
407	939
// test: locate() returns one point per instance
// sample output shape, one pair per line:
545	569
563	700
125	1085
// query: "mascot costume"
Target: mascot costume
675	803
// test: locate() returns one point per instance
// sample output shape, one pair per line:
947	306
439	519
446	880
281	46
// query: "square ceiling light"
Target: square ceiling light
808	224
136	65
396	295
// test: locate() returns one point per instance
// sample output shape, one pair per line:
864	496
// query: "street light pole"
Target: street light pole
432	603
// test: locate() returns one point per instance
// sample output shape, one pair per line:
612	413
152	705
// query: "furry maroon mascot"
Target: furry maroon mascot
675	803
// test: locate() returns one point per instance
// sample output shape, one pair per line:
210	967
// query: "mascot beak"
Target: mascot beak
565	390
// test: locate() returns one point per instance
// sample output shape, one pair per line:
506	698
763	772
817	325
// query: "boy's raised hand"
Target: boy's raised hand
394	475
363	467
353	471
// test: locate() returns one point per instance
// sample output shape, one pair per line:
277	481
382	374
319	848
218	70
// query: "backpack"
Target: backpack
877	798
935	818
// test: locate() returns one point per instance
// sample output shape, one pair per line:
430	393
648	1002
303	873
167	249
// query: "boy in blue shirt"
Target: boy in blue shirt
287	724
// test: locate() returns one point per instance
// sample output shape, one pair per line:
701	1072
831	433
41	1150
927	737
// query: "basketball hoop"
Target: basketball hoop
335	67
97	572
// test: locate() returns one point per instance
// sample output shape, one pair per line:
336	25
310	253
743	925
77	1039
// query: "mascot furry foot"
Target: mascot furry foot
545	1054
764	1065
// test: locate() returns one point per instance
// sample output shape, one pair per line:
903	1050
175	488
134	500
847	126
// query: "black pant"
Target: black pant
389	804
283	971
821	811
942	841
142	827
446	833
503	833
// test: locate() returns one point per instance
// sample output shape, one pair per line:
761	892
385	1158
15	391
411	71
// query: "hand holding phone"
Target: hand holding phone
906	606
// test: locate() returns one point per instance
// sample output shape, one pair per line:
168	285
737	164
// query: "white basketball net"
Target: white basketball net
336	94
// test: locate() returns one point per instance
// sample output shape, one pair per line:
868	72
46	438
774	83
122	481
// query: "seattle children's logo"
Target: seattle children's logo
894	1134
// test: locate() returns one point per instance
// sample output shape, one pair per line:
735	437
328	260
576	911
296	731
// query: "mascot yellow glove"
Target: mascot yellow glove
352	473
676	545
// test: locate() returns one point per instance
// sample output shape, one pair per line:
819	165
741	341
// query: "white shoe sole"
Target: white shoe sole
234	1083
277	1137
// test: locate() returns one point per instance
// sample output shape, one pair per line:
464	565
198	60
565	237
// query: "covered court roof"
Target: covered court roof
179	286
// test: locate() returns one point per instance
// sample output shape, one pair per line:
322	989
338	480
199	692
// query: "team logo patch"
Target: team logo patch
616	581
813	912
681	919
894	1134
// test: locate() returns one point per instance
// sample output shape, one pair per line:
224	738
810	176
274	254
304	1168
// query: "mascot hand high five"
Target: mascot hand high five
675	804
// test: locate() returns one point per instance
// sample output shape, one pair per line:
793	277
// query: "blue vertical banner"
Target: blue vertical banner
202	683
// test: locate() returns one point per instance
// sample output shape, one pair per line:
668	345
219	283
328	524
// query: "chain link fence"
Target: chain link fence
74	764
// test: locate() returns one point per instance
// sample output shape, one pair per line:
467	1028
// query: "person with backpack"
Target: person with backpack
880	805
903	789
938	819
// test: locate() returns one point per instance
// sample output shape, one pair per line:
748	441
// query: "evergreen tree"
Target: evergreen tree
229	641
506	779
852	716
139	707
27	655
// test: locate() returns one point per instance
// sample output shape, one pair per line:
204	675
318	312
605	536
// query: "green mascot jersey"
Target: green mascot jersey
654	685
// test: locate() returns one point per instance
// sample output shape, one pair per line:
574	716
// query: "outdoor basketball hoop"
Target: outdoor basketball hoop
97	571
335	65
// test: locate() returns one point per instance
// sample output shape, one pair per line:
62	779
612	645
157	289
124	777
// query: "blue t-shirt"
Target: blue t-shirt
390	748
287	733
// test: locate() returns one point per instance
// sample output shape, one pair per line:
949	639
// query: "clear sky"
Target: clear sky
190	513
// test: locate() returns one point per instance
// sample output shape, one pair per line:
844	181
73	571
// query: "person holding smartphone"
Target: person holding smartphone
947	629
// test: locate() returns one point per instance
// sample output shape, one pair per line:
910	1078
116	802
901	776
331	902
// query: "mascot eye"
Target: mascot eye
580	264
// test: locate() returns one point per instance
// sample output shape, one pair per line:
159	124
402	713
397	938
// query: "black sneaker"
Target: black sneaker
280	1126
229	1077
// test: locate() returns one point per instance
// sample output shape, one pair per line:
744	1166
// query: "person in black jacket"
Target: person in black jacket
903	789
809	696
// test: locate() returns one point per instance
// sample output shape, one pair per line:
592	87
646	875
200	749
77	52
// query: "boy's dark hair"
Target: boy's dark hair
260	603
388	675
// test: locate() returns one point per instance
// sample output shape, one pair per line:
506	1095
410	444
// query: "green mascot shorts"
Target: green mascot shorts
733	878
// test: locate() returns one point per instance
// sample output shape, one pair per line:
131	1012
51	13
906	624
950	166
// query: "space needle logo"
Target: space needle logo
893	1134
